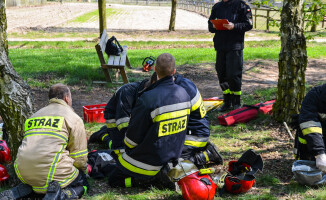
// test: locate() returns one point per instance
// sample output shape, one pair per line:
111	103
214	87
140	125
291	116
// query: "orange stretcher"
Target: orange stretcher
212	103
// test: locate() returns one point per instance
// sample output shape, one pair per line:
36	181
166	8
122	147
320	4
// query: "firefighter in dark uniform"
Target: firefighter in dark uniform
156	131
197	147
117	114
310	140
229	46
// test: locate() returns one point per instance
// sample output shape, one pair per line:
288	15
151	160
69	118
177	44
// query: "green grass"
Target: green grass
94	16
44	63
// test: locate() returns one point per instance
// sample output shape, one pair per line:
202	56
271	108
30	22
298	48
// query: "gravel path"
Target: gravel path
128	17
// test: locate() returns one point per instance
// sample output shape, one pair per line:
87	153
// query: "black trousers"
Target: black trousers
118	178
229	65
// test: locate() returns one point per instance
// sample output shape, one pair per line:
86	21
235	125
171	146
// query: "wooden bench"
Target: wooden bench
114	62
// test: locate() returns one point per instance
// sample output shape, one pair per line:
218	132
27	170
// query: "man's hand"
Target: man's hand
321	162
229	26
213	26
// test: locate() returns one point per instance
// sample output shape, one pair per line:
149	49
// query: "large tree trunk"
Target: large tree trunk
102	15
15	95
173	15
3	25
292	62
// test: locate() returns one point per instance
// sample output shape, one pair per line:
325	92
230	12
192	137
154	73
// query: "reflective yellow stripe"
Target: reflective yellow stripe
123	125
111	125
237	92
110	144
206	156
128	145
45	122
312	130
51	171
302	141
135	169
128	182
72	177
227	91
104	136
48	133
79	153
197	104
171	115
195	143
18	173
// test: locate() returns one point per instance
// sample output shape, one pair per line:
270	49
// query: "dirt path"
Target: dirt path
128	17
40	17
257	74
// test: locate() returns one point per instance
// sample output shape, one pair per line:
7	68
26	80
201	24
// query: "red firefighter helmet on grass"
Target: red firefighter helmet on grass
197	187
235	184
4	152
3	174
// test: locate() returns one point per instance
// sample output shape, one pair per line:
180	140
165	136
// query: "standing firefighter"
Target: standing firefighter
310	137
53	153
229	46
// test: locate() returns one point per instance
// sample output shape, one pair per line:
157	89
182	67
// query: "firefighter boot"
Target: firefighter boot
227	103
54	192
210	155
74	192
17	192
236	101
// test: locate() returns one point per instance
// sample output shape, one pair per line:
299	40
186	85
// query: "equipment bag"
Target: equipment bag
113	47
102	163
246	113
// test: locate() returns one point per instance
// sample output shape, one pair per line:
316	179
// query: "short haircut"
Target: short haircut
165	65
59	91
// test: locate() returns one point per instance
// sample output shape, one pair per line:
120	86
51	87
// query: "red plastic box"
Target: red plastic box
94	113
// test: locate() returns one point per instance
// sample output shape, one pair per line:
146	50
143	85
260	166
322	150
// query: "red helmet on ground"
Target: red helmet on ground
197	187
3	174
4	152
238	182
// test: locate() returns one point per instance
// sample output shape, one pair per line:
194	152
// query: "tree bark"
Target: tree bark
173	15
15	95
3	25
315	20
102	15
292	62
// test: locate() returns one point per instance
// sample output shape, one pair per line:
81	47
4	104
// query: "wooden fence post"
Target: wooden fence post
255	18
267	21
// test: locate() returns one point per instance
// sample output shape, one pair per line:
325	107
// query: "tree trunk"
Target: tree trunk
3	25
15	95
292	62
102	15
173	15
315	21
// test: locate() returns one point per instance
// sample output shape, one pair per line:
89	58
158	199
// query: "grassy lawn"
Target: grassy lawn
77	62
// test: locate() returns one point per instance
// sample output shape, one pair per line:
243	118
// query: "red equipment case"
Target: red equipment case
94	113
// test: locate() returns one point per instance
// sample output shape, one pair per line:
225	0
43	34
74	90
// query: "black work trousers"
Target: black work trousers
118	178
229	66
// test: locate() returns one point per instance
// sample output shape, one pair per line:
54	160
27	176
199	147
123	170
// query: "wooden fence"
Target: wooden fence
12	3
267	15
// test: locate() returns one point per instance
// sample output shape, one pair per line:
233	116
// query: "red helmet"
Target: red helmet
234	184
197	187
4	152
3	174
